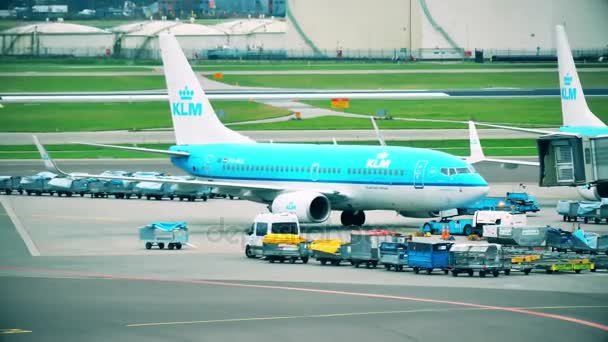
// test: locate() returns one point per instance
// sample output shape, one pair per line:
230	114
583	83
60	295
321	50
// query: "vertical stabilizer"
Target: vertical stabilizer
194	120
575	111
474	145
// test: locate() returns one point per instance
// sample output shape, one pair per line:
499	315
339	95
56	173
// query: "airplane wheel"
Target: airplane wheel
178	246
359	218
347	217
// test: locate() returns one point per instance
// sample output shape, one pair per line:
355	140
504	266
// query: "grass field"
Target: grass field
416	81
80	83
365	81
61	117
534	111
492	147
28	67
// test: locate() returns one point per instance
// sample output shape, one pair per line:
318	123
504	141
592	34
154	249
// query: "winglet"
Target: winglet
477	154
378	134
575	111
48	162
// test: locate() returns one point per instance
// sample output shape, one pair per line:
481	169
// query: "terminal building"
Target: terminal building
357	29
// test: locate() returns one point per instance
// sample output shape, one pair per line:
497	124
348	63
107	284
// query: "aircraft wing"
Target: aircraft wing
477	154
527	130
240	187
138	149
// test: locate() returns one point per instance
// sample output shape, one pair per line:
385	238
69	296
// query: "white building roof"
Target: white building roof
150	28
250	26
55	27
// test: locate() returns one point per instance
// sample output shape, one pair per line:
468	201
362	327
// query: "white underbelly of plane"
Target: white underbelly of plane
387	197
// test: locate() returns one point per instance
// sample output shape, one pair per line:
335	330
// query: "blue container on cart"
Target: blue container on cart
174	234
428	255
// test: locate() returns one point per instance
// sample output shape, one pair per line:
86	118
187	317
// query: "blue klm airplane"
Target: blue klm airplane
578	120
309	180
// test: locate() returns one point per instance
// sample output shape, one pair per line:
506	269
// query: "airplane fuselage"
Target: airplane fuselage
371	177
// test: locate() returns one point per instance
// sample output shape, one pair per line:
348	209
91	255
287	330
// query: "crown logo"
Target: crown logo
382	155
186	94
567	80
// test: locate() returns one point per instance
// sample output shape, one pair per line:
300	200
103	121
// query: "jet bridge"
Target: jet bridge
567	160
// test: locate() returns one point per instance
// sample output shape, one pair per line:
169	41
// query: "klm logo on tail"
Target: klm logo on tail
568	92
186	107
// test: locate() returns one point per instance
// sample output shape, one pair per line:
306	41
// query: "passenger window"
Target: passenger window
261	229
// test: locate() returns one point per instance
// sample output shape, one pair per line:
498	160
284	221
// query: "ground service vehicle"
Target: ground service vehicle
268	223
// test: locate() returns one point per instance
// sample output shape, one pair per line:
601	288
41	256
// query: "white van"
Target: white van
264	224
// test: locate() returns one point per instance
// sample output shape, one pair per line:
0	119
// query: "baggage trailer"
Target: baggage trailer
326	251
515	202
588	211
590	243
171	234
428	255
8	184
559	240
153	190
393	255
37	184
600	262
68	186
481	258
97	188
364	246
561	264
282	252
523	236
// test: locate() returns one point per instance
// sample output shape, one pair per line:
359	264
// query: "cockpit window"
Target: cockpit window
457	170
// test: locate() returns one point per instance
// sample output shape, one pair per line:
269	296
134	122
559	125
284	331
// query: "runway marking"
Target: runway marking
351	314
312	290
14	331
25	236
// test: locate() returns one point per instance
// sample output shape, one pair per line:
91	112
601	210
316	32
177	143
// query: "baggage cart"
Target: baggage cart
555	264
588	211
364	246
155	190
521	263
171	234
600	262
481	258
559	240
97	188
68	186
326	251
591	243
393	255
37	184
345	253
524	236
282	252
8	184
428	255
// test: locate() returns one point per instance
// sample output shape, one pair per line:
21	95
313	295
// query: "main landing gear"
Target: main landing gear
353	218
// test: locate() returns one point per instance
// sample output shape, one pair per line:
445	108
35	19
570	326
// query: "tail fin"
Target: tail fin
474	145
194	120
49	164
575	111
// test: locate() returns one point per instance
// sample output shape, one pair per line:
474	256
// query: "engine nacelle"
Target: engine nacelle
307	206
589	193
593	192
419	214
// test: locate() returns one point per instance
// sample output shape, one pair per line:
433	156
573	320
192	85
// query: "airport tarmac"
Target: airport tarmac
93	280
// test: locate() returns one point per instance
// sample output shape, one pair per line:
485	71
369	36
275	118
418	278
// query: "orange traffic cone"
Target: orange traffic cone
445	234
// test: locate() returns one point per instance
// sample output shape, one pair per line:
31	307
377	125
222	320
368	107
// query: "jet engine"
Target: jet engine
307	206
419	214
593	192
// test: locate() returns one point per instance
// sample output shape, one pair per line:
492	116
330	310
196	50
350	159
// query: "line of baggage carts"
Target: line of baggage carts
51	184
553	252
